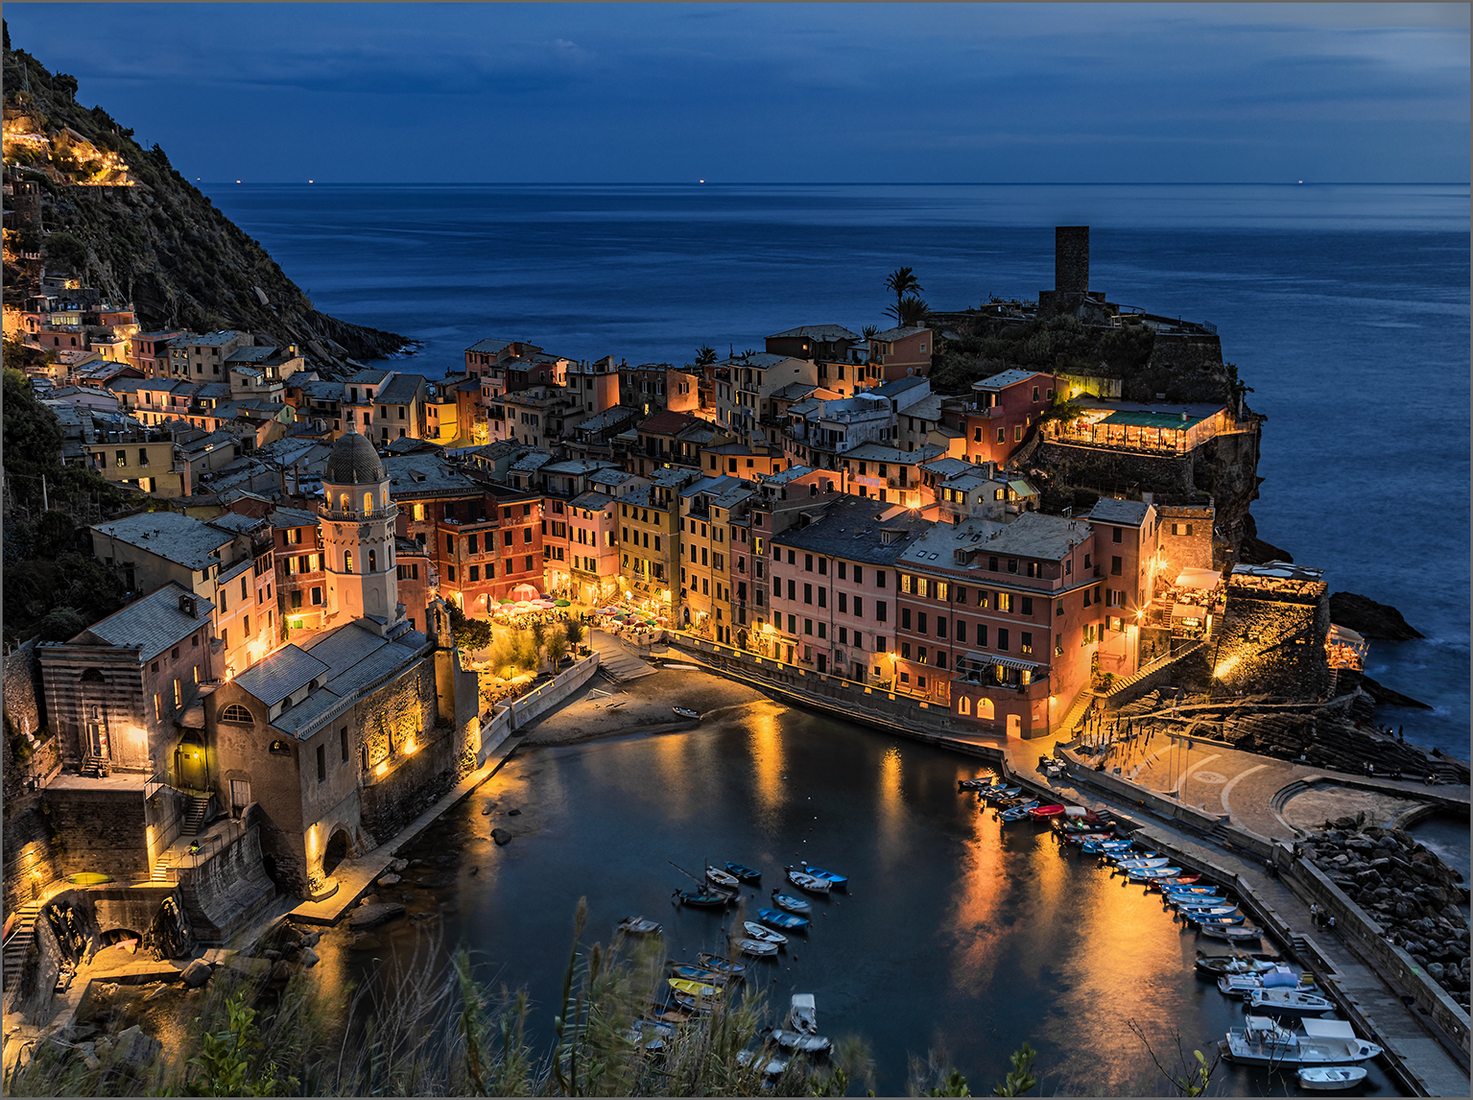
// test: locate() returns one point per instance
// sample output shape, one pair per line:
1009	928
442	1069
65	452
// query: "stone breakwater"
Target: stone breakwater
1406	888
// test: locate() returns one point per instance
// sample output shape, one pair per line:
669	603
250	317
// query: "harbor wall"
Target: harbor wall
528	708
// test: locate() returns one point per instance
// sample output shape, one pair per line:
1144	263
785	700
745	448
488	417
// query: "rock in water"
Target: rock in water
1374	620
389	879
371	916
513	813
196	973
501	836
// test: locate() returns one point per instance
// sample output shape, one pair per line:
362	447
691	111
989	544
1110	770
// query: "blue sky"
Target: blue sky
950	93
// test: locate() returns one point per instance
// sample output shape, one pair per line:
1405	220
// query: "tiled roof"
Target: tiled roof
1131	513
594	502
890	335
154	623
492	345
817	332
850	528
402	389
285	671
355	659
178	538
1004	379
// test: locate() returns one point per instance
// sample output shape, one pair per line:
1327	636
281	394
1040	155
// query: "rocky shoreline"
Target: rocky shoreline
1406	888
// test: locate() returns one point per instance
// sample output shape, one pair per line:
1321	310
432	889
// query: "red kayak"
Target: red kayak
1046	811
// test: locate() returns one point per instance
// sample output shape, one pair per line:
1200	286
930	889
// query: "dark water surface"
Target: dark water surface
959	935
1345	307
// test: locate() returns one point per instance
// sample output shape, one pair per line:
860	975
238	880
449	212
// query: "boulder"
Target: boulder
514	813
134	1049
196	973
309	939
389	879
399	866
501	836
371	916
1377	621
308	957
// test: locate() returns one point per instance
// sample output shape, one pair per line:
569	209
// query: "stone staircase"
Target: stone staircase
163	870
1071	719
1122	684
195	810
19	943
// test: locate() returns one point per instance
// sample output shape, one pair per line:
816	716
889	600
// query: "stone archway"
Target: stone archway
338	845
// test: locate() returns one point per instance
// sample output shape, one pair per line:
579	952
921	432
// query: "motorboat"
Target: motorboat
1238	985
1042	812
743	873
703	899
776	918
803	1013
756	949
804	881
1233	964
698	973
833	878
1275	977
722	966
687	712
979	783
766	935
799	1041
639	926
1262	1041
1240	932
1287	1002
725	879
1330	1078
790	903
692	988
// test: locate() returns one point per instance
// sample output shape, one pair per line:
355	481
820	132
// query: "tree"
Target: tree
870	330
574	632
902	283
705	355
469	633
910	310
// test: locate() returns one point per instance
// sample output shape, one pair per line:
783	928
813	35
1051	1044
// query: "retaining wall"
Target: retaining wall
228	889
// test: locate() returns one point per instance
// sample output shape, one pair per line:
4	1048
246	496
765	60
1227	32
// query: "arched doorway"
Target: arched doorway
191	767
335	852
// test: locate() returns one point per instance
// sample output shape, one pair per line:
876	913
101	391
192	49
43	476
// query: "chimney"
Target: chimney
187	605
1071	259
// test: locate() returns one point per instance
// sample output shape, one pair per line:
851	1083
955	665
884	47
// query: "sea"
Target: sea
1345	308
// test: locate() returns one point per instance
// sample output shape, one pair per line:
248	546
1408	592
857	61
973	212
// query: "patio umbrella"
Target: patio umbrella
562	603
504	600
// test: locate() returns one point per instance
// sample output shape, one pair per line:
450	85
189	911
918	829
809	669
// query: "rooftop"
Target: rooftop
890	335
172	536
152	624
817	332
1031	535
352	658
1003	379
402	389
850	527
1130	513
287	670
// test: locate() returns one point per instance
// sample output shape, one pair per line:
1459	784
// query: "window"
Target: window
1116	534
236	714
348	561
1181	529
321	763
178	692
1004	601
1002	639
373	561
964	705
1027	605
1115	567
1025	642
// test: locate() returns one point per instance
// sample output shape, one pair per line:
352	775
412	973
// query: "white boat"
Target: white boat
1261	1041
1331	1078
1267	1001
757	949
1229	932
803	1013
639	926
772	1067
686	712
763	933
1275	977
804	881
723	878
1238	985
1141	864
797	1040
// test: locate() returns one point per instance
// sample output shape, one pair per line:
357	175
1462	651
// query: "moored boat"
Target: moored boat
790	903
804	881
803	1013
1135	863
770	1065
797	1040
977	783
650	1035
1051	810
766	935
639	926
1330	1078
1262	1041
698	973
725	879
1145	874
703	899
776	918
1232	964
1230	932
692	988
750	875
686	712
1179	880
833	878
757	949
725	966
1287	1002
994	794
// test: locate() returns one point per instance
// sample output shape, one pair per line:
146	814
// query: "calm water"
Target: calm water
959	935
1345	307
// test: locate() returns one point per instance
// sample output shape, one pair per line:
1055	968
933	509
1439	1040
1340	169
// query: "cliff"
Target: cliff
121	217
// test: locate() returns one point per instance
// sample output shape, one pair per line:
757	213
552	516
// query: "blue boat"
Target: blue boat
1145	874
698	973
790	903
744	873
720	965
840	882
788	922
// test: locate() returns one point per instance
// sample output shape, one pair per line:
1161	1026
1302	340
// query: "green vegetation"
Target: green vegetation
705	355
1060	344
53	584
909	308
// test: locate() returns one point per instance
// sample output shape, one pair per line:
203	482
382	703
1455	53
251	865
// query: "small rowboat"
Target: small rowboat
804	881
650	1035
686	712
1171	894
1145	874
698	974
980	783
992	794
772	1067
1232	964
776	918
797	1040
757	949
1180	880
1017	813
1052	810
720	965
1205	919
1331	1078
723	879
1140	862
700	990
746	874
639	926
835	880
766	935
790	903
1073	837
704	899
1194	901
1240	932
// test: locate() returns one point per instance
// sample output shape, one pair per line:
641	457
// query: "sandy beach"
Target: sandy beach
604	709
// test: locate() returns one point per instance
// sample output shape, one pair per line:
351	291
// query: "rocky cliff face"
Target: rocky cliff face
133	227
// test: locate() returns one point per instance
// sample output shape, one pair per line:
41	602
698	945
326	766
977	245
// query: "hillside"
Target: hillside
132	226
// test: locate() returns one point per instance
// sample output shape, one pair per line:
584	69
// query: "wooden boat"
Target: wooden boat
1135	863
1232	964
776	918
704	899
757	949
698	973
833	878
797	1040
994	794
766	935
693	1006
724	879
978	783
693	988
1175	888
1262	1041
804	881
686	712
790	903
1287	1002
1230	932
743	873
722	966
1214	920
1145	874
1051	810
1199	903
1017	813
1330	1078
639	926
803	1013
1179	880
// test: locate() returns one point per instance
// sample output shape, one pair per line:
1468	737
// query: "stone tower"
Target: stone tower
1071	259
358	536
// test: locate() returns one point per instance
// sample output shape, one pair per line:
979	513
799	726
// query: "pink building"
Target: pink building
593	547
1006	408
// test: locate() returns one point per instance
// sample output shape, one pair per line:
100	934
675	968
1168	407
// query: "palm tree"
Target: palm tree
705	355
909	310
902	282
870	330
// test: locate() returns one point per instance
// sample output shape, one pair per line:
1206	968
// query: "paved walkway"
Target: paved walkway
1396	1025
618	659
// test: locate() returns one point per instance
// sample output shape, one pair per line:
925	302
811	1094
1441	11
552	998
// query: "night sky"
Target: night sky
881	93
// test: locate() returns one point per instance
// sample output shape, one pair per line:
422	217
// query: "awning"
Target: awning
1198	578
1187	611
978	658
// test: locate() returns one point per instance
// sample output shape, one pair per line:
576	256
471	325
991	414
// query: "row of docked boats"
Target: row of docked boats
1288	1022
789	913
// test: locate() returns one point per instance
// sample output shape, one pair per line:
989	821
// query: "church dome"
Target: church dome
353	461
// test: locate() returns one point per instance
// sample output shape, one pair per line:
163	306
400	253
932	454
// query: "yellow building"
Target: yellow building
649	538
